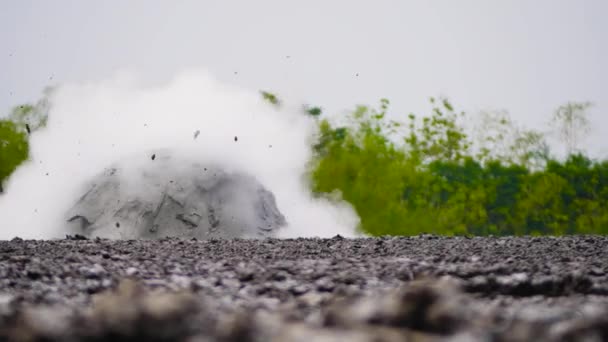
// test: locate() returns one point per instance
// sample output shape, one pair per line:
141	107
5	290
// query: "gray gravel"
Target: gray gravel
423	288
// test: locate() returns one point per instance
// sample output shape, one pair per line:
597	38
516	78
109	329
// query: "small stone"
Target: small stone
94	272
131	271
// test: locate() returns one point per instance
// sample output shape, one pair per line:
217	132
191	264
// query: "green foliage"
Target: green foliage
270	97
439	137
499	138
14	131
32	117
427	179
14	149
572	123
313	110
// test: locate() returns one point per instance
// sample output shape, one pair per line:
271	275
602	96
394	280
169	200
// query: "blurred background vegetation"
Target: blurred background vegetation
433	173
15	129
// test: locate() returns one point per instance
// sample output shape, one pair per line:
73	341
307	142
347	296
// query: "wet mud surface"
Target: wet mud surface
423	288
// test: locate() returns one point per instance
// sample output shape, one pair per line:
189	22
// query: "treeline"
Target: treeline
427	175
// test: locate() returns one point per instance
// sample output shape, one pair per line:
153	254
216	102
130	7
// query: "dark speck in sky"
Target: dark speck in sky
236	138
153	156
117	224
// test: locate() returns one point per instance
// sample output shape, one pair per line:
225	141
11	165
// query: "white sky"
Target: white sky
524	56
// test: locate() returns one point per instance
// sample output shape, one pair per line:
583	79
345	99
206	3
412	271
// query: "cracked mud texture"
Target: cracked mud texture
423	288
173	197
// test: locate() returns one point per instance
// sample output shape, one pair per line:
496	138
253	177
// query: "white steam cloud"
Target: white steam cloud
93	125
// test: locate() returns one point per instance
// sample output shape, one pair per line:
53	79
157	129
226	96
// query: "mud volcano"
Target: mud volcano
166	196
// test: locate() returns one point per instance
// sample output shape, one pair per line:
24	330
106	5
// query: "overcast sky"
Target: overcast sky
524	56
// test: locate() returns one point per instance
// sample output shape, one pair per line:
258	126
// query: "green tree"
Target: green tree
32	117
572	123
14	134
313	110
14	149
439	136
540	207
530	149
499	138
270	98
423	177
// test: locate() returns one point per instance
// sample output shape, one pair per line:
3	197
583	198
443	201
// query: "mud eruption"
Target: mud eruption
258	150
174	198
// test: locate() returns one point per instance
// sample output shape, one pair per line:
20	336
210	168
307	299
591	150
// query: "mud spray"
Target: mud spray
93	125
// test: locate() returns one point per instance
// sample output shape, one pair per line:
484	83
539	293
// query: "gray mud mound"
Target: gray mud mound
169	197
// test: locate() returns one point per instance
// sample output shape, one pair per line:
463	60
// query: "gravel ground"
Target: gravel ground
423	288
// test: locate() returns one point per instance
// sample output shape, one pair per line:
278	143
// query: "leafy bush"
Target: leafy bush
14	131
14	149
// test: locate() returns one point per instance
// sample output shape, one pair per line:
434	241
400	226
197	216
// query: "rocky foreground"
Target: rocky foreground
422	288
